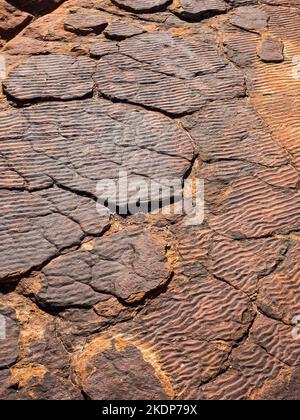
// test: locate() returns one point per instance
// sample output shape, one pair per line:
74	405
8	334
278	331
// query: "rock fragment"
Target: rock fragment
119	31
83	23
270	50
12	20
250	18
195	10
117	374
142	6
127	265
54	76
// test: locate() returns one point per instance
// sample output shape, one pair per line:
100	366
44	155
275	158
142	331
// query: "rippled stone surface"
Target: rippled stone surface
106	296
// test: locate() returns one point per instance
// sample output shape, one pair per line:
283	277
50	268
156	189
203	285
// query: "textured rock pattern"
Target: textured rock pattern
124	304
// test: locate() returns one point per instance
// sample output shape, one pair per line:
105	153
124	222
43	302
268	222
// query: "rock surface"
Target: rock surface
119	294
271	50
196	10
142	6
85	23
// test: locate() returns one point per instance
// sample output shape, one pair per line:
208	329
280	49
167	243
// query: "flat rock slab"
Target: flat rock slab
271	49
51	77
84	23
250	18
48	221
142	6
117	374
195	10
128	265
80	145
119	31
166	73
102	48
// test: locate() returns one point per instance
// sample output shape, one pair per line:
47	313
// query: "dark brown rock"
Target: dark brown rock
49	222
252	370
117	374
270	50
279	292
101	297
127	265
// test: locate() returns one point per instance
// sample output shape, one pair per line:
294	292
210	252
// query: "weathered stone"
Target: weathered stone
117	374
270	50
51	77
12	20
252	370
146	306
93	143
48	221
119	31
83	23
184	324
277	340
280	291
198	9
102	48
127	265
250	18
167	73
142	6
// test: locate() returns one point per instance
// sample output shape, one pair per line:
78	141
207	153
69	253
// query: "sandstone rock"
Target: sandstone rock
119	375
119	31
12	20
252	370
51	77
101	297
127	265
250	18
142	6
120	138
102	48
277	340
198	9
271	50
279	292
168	74
184	324
50	222
83	23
